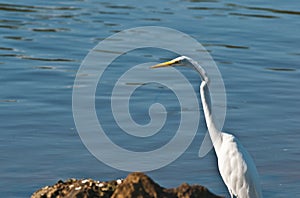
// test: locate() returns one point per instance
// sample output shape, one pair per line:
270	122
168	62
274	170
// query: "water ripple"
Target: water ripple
20	38
280	69
264	9
48	59
16	8
27	8
120	7
254	15
228	46
8	100
50	29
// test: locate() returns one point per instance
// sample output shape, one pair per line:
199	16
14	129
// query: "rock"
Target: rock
194	191
136	185
83	188
139	185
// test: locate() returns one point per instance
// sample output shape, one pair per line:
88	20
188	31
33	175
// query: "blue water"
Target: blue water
256	48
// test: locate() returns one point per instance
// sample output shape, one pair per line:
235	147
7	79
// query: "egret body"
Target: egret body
235	165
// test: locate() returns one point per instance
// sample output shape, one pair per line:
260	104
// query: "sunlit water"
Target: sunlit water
255	45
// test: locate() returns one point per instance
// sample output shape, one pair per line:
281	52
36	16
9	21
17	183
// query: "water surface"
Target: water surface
255	45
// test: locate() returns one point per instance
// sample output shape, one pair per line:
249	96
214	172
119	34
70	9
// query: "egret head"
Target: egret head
179	61
187	62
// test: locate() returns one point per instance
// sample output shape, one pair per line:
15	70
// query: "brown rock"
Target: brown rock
194	191
82	188
139	185
136	185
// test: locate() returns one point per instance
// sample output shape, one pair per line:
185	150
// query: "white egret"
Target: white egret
236	167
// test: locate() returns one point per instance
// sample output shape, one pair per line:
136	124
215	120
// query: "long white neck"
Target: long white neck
214	133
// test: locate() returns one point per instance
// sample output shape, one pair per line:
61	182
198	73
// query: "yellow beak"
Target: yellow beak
164	64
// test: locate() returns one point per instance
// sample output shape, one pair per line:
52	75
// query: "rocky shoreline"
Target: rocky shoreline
135	184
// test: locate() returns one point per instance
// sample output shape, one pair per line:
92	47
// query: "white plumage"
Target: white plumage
236	166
